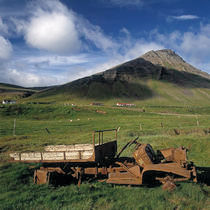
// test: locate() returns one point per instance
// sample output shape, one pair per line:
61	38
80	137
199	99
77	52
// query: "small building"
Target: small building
125	104
97	104
8	102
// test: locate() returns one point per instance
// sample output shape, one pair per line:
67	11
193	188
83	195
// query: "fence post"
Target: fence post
14	128
197	121
47	130
140	127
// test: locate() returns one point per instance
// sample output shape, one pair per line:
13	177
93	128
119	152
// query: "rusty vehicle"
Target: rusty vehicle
101	161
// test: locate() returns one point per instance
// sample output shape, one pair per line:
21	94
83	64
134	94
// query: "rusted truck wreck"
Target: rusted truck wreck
101	161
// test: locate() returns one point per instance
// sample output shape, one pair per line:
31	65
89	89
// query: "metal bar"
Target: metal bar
128	144
100	133
102	137
99	138
97	131
94	139
96	172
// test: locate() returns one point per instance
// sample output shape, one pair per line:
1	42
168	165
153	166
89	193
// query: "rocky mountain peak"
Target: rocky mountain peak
165	57
169	59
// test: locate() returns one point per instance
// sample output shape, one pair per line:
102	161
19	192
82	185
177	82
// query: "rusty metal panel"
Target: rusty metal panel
178	155
141	155
123	178
105	151
174	168
167	154
169	185
96	171
41	176
126	175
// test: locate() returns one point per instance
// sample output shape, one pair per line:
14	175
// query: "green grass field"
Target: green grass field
68	125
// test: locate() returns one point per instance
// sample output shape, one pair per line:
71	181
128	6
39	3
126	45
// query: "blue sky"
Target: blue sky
51	42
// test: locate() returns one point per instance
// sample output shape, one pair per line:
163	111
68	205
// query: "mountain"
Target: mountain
9	91
169	59
157	76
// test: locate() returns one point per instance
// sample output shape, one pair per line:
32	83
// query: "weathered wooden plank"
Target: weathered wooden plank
26	156
66	148
38	156
53	155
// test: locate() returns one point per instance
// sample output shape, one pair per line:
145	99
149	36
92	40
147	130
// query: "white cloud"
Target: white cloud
142	47
20	26
29	79
194	46
23	78
185	17
53	60
95	35
3	27
197	44
52	28
5	48
42	70
202	65
53	32
133	49
55	28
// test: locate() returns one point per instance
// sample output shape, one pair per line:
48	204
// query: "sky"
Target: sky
52	42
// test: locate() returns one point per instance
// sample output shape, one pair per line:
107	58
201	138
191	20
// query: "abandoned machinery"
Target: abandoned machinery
101	161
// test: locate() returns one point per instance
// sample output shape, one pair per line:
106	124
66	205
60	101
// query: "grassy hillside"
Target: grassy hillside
150	92
75	124
8	91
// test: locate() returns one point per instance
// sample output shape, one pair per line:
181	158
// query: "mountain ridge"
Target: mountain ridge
141	79
9	91
168	58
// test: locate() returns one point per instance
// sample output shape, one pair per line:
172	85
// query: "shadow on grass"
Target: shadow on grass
203	174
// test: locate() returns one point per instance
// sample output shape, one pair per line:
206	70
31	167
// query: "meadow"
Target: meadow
37	125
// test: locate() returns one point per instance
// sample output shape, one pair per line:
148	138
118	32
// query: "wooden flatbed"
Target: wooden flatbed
94	152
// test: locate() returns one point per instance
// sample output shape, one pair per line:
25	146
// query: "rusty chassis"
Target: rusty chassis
146	167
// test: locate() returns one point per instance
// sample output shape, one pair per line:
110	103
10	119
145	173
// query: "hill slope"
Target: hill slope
156	77
8	91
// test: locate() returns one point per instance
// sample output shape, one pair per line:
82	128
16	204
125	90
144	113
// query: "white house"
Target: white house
125	104
8	102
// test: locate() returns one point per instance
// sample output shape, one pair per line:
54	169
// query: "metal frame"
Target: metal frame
171	167
101	134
